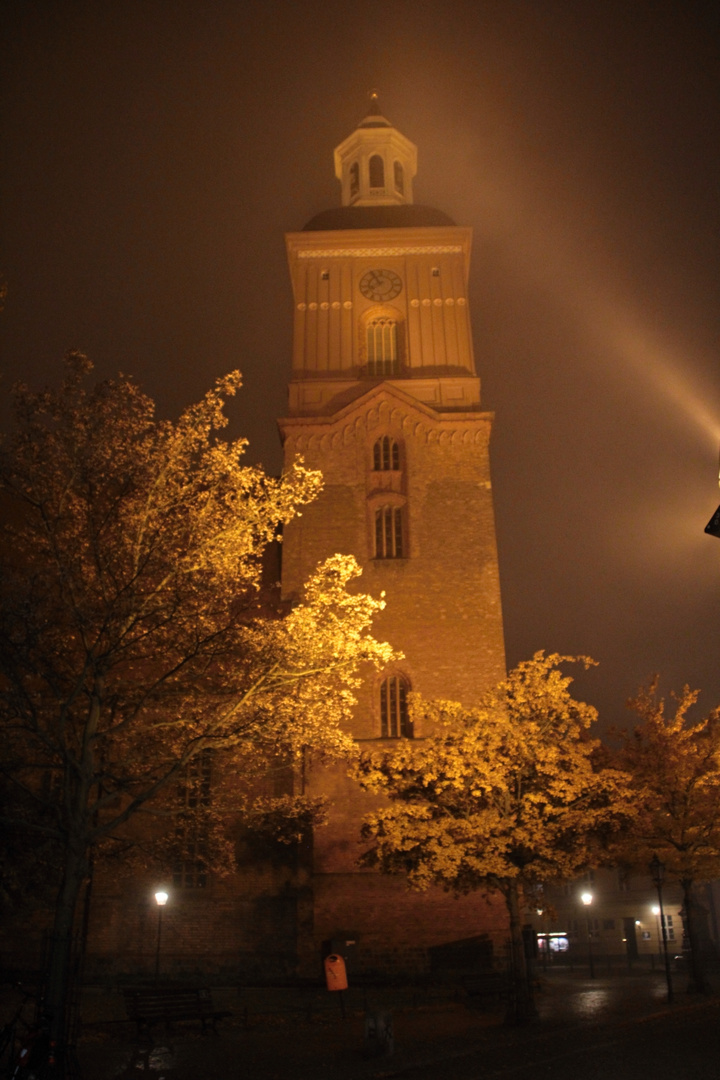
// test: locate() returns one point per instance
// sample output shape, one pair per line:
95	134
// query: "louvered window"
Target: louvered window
382	347
389	533
386	455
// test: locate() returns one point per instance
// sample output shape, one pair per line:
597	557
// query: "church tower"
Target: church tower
384	399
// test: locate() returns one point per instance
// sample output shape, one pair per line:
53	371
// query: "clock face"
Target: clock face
380	285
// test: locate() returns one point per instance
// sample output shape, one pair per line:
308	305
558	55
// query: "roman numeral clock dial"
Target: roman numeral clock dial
380	285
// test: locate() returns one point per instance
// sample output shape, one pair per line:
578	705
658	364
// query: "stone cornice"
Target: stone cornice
381	243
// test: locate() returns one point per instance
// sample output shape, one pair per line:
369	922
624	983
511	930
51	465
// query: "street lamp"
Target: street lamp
161	899
587	899
658	933
657	873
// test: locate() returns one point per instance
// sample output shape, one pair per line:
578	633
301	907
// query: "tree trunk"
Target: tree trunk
698	980
59	972
521	1008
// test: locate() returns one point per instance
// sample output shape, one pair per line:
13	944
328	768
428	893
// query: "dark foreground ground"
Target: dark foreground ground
614	1028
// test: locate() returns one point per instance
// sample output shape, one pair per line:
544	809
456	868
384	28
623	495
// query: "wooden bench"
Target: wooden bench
148	1005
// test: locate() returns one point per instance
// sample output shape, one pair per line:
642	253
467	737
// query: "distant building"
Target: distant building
620	920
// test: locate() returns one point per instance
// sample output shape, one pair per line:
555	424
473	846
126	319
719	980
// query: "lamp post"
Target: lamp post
658	933
657	873
587	899
544	937
161	899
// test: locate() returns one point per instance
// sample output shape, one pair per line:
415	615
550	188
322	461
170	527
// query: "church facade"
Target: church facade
384	399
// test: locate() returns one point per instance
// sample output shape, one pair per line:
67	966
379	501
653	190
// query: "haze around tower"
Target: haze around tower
154	156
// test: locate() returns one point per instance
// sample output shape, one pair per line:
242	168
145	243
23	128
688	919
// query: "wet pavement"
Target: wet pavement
616	1027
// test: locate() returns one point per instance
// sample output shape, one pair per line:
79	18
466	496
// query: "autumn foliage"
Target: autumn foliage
503	798
135	632
675	767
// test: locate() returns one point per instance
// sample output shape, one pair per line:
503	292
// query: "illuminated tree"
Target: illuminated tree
675	766
134	632
505	797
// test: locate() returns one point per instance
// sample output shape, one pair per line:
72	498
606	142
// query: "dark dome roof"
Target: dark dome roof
405	215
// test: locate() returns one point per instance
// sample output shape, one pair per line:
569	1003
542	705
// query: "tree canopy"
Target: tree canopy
136	632
504	797
674	763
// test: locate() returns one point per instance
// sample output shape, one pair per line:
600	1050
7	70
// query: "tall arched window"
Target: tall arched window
191	831
389	539
394	716
399	178
377	171
354	179
386	455
382	346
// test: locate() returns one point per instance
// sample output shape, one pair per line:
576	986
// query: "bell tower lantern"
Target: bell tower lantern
376	164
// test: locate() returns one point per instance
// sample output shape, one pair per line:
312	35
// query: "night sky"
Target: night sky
154	154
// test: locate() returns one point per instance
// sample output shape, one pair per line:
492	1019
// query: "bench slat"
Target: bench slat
148	1005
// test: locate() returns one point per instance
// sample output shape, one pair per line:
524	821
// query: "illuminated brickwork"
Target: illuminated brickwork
408	492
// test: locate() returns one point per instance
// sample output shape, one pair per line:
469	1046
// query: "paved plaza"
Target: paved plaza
616	1027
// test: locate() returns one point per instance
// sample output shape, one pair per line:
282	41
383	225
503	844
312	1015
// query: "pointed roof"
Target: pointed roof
374	118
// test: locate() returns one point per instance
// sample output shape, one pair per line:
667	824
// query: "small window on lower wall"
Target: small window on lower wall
389	539
191	871
395	720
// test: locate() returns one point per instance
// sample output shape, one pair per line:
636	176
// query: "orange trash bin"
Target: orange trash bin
335	973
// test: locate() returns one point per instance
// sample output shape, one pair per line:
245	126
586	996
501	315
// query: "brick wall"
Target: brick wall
443	612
